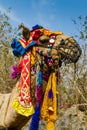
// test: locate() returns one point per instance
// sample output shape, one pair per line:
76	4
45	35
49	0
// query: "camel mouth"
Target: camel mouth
67	47
70	50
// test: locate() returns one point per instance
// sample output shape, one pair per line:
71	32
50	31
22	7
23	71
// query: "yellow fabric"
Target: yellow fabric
48	109
33	56
33	53
58	33
50	125
22	43
48	32
45	32
21	110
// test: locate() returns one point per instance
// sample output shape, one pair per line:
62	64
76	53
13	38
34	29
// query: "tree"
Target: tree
6	56
74	77
81	26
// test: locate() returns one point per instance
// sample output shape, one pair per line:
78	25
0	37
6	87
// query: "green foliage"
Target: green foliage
6	57
74	79
81	73
81	27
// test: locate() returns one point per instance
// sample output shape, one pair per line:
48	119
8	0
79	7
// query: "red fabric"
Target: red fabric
36	34
24	85
25	42
24	67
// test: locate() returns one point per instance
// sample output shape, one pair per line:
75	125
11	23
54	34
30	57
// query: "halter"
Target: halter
46	55
62	48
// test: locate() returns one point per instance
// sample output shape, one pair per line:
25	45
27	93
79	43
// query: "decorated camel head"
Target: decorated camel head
42	52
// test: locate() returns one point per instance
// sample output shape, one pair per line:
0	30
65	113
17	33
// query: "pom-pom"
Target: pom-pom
50	94
15	72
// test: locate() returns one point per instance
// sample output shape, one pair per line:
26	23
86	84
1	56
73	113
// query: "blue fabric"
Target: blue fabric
35	120
18	49
36	116
39	78
30	45
50	94
16	53
36	27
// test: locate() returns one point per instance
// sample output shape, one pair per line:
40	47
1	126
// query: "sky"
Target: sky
55	15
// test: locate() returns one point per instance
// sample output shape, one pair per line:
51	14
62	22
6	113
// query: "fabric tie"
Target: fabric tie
48	109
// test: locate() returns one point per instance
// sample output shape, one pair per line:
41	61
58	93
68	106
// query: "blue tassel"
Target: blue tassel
50	94
35	120
36	116
39	79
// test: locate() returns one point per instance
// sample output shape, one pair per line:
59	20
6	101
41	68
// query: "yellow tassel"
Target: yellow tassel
50	125
48	109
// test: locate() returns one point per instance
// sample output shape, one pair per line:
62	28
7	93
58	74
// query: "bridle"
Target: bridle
62	56
66	44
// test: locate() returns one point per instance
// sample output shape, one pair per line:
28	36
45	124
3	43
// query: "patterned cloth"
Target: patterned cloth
23	103
24	97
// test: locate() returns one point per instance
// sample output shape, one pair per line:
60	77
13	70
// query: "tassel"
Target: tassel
35	120
48	108
36	116
50	125
15	72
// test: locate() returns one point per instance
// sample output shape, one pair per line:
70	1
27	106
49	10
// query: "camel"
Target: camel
65	49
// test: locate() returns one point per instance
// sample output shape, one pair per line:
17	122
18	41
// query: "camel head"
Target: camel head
62	48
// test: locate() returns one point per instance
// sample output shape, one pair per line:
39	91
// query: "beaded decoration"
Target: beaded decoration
47	54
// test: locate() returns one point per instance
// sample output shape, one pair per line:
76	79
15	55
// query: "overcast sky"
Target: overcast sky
56	15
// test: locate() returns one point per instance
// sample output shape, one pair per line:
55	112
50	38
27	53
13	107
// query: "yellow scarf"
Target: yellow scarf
48	110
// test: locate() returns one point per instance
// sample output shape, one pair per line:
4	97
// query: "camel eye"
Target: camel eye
62	42
44	41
